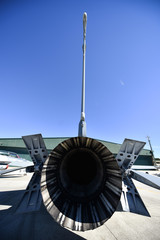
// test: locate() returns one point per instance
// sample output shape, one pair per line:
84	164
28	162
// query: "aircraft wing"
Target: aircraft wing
20	162
3	172
143	167
150	180
5	162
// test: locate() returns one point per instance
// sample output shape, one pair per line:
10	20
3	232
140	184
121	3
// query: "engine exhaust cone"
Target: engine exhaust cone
81	183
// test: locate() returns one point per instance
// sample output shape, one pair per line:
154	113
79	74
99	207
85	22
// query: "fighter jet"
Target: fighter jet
12	159
81	183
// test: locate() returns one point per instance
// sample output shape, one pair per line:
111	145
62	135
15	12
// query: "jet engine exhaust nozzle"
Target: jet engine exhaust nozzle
81	183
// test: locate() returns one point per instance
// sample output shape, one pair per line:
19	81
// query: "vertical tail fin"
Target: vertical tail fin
82	123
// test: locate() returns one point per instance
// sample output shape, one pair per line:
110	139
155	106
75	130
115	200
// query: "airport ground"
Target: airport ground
39	225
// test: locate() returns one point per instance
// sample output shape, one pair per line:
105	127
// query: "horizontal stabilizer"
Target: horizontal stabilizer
130	199
150	180
36	148
128	153
31	199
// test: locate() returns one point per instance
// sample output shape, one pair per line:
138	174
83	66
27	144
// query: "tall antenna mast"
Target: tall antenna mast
82	123
153	158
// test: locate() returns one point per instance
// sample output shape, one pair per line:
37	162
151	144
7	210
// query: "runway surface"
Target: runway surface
39	225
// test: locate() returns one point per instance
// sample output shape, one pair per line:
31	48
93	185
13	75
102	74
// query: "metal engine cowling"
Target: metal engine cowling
81	183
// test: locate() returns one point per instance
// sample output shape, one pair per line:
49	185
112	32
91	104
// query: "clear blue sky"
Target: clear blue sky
41	69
